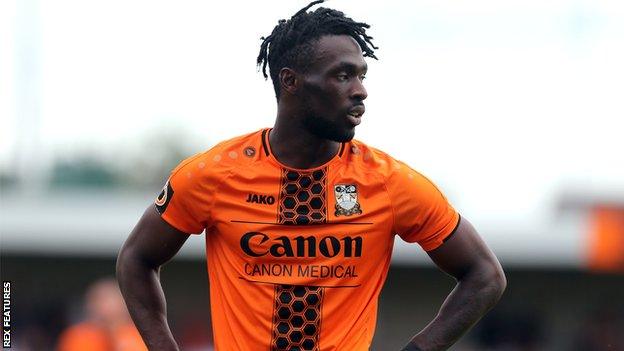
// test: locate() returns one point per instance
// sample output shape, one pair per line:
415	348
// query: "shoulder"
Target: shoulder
223	157
189	193
373	159
382	164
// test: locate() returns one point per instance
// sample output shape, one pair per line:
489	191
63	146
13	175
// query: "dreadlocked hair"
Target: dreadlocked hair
291	41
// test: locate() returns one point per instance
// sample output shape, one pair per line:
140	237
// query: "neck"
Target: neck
294	146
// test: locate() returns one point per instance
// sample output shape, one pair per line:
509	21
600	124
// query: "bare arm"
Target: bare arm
480	284
152	243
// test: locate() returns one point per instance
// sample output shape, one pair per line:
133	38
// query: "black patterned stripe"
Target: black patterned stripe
303	197
297	318
264	142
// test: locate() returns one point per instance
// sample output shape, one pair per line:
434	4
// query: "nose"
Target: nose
358	92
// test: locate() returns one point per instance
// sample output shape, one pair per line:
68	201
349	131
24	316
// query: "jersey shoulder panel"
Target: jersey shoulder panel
239	151
421	212
371	159
187	198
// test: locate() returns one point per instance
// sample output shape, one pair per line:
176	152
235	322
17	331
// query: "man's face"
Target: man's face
331	92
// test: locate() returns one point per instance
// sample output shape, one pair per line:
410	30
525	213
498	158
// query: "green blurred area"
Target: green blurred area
144	164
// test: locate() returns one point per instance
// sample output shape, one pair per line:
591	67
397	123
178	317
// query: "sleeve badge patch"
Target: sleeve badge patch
162	201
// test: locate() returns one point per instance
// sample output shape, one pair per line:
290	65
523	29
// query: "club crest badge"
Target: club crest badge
346	200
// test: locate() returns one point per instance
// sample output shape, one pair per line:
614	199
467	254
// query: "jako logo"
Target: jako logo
260	199
328	246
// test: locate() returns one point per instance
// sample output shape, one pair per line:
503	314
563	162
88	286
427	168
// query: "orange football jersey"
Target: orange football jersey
297	257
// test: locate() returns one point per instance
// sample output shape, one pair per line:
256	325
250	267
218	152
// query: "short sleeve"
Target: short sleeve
184	201
421	212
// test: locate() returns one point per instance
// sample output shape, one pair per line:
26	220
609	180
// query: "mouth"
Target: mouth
355	114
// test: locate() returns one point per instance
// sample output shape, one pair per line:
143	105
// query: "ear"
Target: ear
289	80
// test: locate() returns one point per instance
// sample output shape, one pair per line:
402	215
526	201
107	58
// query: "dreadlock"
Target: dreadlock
292	40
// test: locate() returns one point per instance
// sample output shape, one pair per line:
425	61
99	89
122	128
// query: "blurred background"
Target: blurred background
513	108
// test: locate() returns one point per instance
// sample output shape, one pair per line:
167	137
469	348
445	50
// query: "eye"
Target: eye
342	77
362	77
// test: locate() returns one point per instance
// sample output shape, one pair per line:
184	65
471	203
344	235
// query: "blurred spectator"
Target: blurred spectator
195	333
107	326
518	330
600	331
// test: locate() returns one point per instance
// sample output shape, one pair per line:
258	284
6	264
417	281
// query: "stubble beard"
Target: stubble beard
324	128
